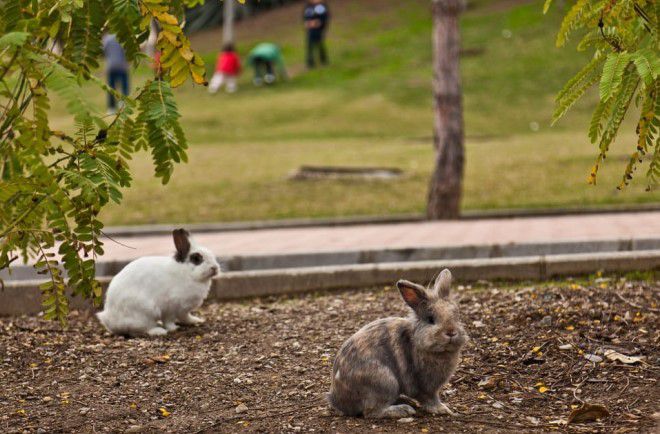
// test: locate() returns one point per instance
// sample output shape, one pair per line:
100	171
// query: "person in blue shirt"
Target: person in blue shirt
315	17
116	68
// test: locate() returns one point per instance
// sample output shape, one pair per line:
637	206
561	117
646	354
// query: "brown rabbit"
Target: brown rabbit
389	357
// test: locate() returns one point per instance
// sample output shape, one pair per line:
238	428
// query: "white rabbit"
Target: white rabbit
151	294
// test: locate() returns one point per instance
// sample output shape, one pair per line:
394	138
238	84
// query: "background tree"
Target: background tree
53	184
446	184
623	35
228	22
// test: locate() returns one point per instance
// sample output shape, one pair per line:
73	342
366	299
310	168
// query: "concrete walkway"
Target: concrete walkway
403	235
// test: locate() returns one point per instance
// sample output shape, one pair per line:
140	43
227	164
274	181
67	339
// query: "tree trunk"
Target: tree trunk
446	183
228	22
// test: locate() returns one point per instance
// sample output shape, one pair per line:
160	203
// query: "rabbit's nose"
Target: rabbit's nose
215	270
451	333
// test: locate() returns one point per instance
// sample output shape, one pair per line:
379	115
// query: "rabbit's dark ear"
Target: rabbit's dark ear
442	284
182	244
414	295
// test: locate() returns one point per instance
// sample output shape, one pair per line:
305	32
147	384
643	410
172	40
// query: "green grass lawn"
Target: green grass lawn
373	106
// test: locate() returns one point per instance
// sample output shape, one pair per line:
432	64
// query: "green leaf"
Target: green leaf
14	39
647	64
572	21
602	111
576	87
613	70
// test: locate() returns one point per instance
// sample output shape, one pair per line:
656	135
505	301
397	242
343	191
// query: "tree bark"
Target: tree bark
228	22
445	188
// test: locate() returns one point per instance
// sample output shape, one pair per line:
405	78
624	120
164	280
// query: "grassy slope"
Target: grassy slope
373	106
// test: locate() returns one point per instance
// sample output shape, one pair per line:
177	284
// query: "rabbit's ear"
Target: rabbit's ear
442	284
414	295
182	244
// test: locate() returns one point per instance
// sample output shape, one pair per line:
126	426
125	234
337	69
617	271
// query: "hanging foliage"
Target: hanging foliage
623	35
53	184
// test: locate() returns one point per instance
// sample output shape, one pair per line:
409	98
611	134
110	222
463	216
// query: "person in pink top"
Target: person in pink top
227	69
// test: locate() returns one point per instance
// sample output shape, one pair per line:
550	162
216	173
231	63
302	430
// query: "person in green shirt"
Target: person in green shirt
268	63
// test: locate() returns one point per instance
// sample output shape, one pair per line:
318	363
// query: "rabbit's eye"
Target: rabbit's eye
430	319
196	258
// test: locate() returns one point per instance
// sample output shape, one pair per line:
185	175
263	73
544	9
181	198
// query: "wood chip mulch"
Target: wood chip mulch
539	355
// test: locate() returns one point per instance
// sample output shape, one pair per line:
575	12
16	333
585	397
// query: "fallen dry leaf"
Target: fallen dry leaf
588	413
490	383
163	412
593	358
157	359
628	360
533	420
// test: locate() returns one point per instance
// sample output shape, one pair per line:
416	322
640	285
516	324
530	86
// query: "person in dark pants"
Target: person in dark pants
316	16
116	68
266	59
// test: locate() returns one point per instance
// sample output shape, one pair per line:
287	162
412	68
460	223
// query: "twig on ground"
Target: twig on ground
635	305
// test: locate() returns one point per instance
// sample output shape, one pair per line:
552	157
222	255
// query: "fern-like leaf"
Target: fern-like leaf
124	18
572	21
10	16
576	87
613	70
647	64
587	70
600	114
622	101
66	85
651	133
85	46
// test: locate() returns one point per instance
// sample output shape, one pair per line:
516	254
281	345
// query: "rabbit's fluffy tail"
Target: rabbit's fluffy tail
103	317
331	399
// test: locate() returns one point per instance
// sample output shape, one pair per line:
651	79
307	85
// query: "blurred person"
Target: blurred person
227	69
315	17
267	61
149	46
116	68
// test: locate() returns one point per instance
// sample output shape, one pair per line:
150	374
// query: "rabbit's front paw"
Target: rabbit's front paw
193	320
157	331
398	411
171	327
438	408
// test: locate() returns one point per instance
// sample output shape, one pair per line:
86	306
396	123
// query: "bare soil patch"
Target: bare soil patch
271	359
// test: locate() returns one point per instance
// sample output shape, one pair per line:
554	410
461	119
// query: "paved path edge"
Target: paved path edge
105	268
166	229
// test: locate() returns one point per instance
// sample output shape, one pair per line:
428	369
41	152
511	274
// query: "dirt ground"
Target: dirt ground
536	353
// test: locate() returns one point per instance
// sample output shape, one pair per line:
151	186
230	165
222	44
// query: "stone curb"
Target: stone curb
166	229
270	282
371	256
23	297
